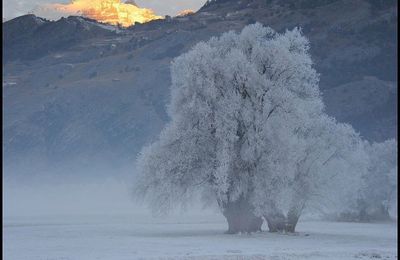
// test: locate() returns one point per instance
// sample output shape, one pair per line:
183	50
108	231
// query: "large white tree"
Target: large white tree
248	129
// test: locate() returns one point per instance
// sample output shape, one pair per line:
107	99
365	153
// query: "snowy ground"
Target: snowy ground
123	237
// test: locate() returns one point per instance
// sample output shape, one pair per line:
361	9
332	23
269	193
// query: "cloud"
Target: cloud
14	8
107	11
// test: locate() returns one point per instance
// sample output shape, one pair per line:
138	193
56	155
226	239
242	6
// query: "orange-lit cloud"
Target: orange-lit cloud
107	11
185	12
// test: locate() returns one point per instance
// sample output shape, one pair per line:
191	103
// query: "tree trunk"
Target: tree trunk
280	223
292	219
363	216
276	221
380	214
240	217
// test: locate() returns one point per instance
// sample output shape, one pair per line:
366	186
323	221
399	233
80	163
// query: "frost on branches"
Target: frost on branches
378	192
249	130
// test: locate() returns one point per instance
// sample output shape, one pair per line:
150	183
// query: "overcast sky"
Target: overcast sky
14	8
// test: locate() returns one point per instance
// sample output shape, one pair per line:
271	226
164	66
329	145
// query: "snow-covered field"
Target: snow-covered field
142	236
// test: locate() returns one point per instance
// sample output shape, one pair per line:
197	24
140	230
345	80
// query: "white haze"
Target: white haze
72	198
49	195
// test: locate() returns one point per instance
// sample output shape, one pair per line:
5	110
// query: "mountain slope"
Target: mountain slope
80	96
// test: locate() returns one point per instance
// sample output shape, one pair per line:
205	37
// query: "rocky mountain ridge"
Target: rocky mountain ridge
83	97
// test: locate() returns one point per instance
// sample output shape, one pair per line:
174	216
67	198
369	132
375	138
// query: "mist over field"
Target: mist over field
49	197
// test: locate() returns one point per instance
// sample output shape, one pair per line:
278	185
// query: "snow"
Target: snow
106	26
201	236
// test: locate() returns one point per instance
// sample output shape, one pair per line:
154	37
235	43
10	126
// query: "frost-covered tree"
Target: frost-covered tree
201	147
248	129
380	182
374	190
296	142
323	155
